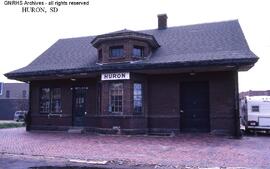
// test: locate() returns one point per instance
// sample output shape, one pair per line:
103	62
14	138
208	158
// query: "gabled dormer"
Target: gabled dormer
124	46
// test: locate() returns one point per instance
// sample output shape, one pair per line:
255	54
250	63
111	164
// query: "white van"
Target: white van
255	112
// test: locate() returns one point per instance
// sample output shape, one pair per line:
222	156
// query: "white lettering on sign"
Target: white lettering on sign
115	76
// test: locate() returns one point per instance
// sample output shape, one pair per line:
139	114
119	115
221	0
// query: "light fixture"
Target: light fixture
230	66
72	79
59	75
83	74
192	73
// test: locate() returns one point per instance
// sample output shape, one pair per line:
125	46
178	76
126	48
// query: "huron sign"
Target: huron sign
115	76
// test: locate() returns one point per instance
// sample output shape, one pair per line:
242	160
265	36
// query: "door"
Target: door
79	105
194	106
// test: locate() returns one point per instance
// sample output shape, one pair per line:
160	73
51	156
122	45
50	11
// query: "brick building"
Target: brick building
13	97
169	79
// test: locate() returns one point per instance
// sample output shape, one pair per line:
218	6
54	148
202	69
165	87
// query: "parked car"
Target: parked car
19	115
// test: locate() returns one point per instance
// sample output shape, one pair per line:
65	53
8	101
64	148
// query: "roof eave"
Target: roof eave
237	64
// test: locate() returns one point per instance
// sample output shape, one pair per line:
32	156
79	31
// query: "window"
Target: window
45	100
100	55
50	100
116	97
56	100
24	93
7	94
98	97
116	51
137	97
255	108
138	51
1	88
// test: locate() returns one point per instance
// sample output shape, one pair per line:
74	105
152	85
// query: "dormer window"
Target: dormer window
116	51
124	46
138	51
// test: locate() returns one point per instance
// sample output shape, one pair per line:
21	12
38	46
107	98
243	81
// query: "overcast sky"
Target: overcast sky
24	36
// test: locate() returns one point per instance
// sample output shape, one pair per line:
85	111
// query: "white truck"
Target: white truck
255	113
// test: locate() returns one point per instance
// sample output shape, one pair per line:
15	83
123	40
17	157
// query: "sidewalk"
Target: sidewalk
201	150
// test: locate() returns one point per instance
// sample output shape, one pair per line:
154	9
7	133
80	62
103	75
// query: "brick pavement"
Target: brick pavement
186	149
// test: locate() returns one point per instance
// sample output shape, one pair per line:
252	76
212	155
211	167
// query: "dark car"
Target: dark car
19	115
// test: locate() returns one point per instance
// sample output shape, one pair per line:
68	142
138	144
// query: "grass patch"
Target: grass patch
11	125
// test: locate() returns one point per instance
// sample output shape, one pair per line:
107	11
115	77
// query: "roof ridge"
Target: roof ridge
143	30
79	37
197	24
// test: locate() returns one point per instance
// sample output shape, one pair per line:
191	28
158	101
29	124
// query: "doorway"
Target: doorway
79	105
194	106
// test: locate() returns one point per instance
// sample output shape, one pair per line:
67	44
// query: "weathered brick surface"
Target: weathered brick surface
185	149
161	102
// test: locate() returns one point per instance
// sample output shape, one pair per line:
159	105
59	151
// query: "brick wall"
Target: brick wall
164	100
66	96
161	102
127	97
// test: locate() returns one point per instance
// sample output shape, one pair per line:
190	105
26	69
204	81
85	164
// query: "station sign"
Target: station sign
115	76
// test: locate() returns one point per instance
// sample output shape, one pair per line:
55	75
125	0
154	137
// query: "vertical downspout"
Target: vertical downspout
236	107
28	117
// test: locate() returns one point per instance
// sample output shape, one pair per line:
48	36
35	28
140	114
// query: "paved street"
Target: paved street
202	150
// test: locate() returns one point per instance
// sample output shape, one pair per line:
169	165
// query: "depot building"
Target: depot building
163	80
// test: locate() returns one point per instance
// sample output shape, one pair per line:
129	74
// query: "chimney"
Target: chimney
162	21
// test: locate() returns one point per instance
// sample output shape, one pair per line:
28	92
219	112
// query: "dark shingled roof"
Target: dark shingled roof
217	43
